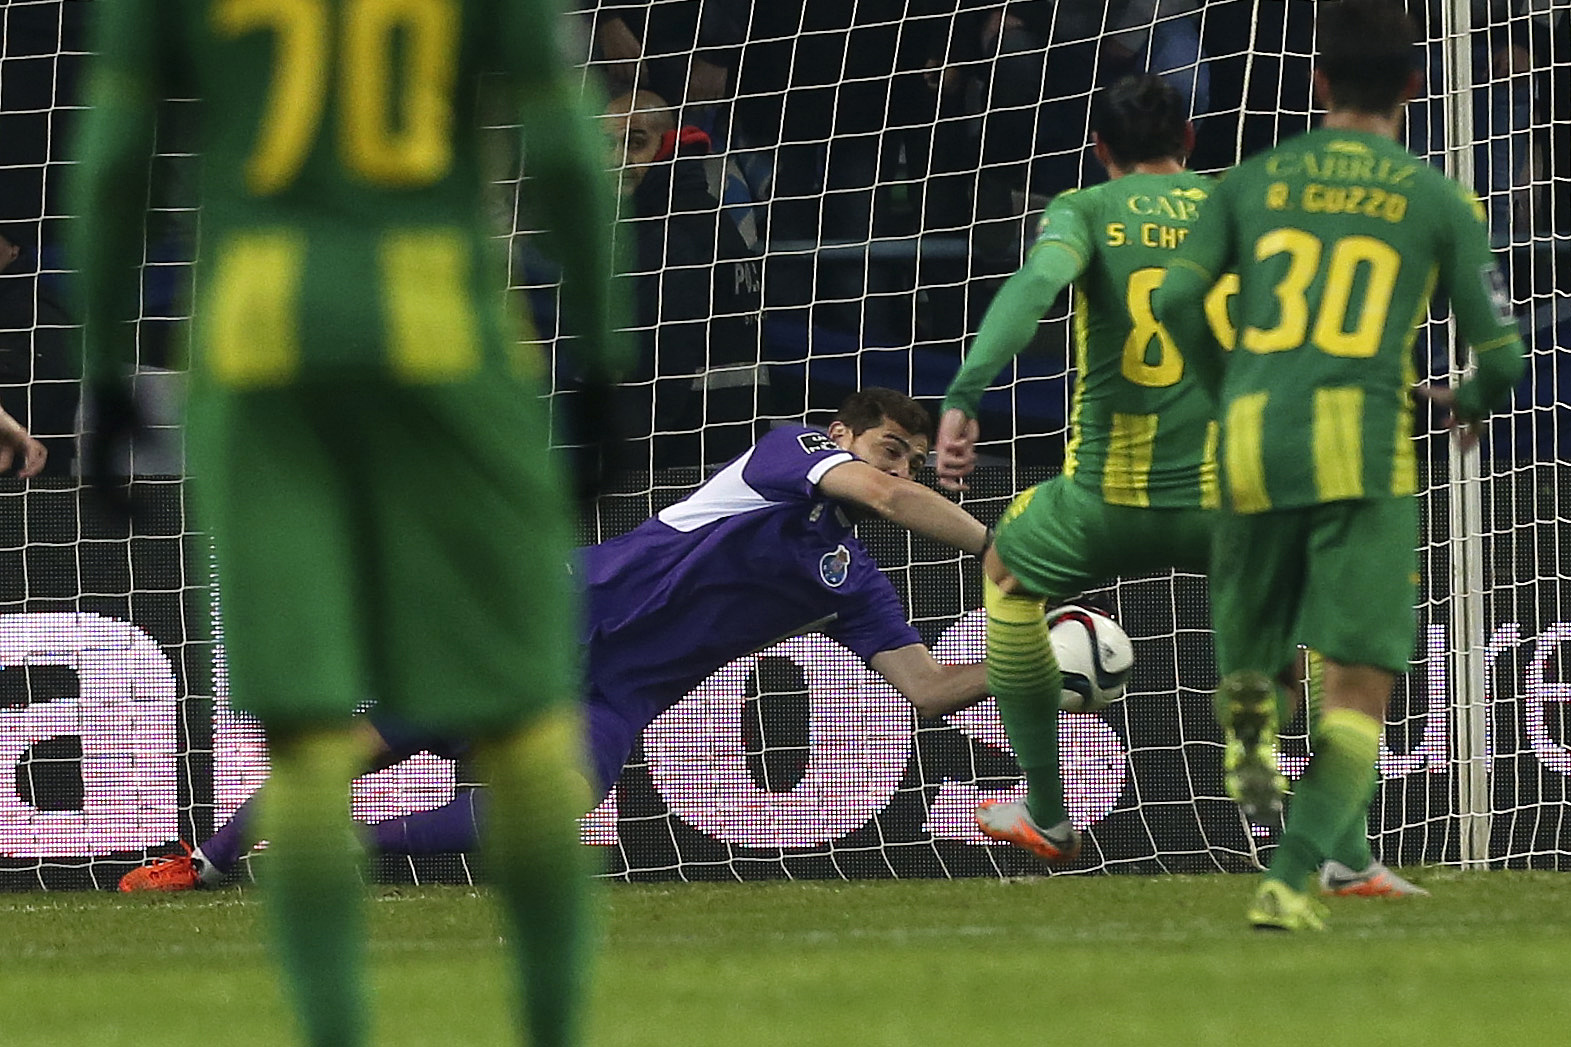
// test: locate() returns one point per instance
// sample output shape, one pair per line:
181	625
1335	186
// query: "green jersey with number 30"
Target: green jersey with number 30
1340	239
342	223
1141	431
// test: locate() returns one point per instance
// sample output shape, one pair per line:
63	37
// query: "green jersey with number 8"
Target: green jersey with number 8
1341	237
1141	432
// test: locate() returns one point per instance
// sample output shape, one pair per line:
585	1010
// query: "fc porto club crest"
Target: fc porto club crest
834	568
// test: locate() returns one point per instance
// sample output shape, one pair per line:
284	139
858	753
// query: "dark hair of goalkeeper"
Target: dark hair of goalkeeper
870	407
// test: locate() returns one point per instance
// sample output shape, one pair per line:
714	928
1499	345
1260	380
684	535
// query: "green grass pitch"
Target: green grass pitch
1087	960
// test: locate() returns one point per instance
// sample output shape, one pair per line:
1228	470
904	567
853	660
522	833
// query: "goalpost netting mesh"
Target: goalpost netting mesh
860	179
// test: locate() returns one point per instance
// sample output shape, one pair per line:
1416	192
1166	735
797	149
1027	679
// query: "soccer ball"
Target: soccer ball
1094	654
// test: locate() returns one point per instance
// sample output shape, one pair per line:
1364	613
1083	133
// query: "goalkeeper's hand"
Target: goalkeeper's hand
599	445
106	447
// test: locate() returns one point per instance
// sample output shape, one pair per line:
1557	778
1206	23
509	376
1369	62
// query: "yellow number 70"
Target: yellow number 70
410	149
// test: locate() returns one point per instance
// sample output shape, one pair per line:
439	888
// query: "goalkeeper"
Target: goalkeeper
368	443
1340	237
1138	491
762	551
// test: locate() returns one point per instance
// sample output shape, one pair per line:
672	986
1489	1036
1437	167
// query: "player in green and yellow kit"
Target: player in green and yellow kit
1139	480
367	440
1340	237
1100	520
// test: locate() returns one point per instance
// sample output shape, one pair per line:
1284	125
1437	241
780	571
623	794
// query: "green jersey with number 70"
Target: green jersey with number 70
342	224
1340	238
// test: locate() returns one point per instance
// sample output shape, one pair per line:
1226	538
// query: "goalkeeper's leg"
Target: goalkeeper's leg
534	859
313	882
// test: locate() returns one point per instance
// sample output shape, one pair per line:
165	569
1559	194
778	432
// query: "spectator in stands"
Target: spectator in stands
1547	36
1503	43
680	49
1503	40
1030	69
40	358
830	90
702	390
1259	62
1161	37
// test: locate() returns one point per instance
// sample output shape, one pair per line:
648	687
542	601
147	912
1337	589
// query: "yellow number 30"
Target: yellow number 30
404	141
1331	331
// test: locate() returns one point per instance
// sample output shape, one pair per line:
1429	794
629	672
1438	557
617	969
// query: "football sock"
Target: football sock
535	862
450	827
1352	846
234	838
313	885
1023	676
1327	798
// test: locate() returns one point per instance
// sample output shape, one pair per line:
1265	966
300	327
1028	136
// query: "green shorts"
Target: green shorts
1059	539
404	544
1340	578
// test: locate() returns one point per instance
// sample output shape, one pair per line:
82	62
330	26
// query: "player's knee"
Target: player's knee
542	758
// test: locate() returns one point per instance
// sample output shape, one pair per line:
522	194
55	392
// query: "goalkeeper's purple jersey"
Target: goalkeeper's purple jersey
755	555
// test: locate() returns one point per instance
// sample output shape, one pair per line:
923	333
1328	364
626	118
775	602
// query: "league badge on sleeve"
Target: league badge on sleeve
1499	293
813	443
834	568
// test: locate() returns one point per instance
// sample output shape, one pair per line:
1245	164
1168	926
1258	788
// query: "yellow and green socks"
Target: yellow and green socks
1023	676
313	881
1352	845
1330	796
534	860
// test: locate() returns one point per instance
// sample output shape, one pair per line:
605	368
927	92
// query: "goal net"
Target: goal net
825	197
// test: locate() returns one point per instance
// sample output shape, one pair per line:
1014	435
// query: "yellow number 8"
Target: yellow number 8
1169	367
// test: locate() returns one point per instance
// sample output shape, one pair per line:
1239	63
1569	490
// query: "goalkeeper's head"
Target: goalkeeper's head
1140	120
1368	61
885	428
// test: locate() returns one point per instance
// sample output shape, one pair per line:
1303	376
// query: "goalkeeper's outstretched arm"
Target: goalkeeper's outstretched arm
919	509
933	688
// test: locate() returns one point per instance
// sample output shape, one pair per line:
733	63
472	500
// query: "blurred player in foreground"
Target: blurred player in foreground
1340	236
1139	487
763	551
367	441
